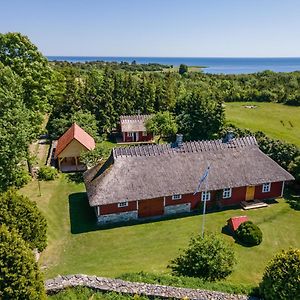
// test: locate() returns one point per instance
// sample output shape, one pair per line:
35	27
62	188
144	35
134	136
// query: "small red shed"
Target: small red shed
235	222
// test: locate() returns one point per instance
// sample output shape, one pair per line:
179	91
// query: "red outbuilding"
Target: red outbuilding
235	222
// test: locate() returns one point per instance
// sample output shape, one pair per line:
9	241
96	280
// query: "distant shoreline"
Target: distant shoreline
217	65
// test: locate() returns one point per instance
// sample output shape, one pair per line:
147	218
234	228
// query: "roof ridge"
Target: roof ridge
186	147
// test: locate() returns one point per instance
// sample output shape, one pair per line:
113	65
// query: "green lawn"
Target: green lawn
76	247
276	120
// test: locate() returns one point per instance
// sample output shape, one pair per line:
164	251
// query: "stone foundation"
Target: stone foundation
119	217
177	209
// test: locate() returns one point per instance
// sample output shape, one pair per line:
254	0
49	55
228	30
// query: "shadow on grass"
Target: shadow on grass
292	197
82	216
75	177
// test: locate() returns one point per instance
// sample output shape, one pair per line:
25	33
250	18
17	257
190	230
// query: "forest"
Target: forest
94	95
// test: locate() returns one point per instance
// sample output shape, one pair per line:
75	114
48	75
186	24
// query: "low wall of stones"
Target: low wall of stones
177	209
103	284
118	217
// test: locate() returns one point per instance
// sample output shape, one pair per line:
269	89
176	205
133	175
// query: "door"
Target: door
250	193
135	136
151	207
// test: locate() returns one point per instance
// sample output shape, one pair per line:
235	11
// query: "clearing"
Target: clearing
76	246
276	120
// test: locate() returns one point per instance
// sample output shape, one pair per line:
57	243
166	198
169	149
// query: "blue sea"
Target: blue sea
213	65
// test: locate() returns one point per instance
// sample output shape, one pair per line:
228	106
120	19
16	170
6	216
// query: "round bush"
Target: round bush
281	279
20	277
249	234
47	173
20	213
209	258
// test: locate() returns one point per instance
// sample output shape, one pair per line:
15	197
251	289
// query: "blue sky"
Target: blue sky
187	28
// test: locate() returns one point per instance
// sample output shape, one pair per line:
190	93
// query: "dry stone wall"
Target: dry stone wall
103	284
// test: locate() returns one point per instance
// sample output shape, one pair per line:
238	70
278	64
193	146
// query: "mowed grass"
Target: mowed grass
278	121
75	246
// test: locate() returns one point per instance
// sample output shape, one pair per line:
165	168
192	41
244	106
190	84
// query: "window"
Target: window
130	134
144	133
205	196
266	187
176	197
123	204
227	193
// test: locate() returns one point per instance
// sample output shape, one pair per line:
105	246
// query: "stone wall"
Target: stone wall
177	209
102	284
119	217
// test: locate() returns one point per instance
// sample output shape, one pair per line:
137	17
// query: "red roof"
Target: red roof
77	133
235	222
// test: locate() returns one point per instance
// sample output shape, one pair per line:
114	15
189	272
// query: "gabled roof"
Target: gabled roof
235	222
133	123
77	133
151	171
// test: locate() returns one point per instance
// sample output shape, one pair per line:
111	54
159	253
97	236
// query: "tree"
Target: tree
281	276
15	130
294	167
162	124
20	277
182	69
249	234
20	213
209	258
199	115
23	57
91	158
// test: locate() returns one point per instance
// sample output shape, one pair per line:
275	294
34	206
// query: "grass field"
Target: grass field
276	120
76	247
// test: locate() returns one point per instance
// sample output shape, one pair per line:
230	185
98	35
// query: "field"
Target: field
77	246
276	120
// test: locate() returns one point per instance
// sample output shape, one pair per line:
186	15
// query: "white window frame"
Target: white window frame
205	196
122	204
177	197
144	133
266	187
227	193
130	134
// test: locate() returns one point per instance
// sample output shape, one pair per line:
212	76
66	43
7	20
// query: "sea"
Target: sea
212	65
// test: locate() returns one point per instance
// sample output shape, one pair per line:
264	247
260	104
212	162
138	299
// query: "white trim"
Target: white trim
282	188
130	134
266	187
227	193
137	205
176	197
164	201
144	133
205	196
123	204
98	210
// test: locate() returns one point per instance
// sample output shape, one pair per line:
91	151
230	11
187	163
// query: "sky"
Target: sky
165	28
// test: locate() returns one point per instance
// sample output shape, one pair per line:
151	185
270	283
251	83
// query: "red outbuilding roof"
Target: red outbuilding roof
77	133
235	222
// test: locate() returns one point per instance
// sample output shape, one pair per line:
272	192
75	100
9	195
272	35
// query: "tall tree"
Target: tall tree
15	129
199	116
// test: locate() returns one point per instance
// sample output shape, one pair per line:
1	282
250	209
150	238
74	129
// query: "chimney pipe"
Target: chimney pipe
179	140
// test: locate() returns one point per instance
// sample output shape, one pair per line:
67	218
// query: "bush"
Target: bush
20	277
47	173
249	234
20	213
281	277
209	258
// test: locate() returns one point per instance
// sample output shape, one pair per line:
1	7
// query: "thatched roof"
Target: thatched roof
133	123
150	171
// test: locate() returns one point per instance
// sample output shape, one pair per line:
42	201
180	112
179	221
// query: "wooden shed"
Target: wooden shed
69	146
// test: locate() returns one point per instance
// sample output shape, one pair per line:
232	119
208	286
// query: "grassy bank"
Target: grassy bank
276	120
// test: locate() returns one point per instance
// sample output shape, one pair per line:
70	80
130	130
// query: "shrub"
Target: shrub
20	213
209	258
47	173
20	277
281	276
249	234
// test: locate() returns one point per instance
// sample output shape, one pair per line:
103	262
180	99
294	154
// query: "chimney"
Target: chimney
228	137
179	140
